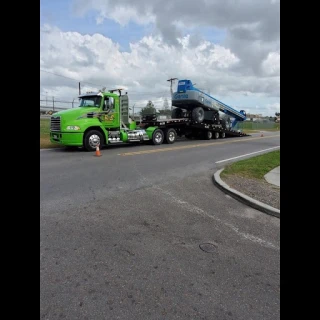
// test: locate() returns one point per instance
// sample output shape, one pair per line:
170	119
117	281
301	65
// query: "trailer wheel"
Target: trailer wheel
157	137
170	136
216	135
222	135
198	114
208	135
92	139
176	113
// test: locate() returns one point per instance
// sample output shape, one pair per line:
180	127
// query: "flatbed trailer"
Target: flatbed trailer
173	128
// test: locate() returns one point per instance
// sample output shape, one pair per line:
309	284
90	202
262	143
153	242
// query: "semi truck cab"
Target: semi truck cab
101	118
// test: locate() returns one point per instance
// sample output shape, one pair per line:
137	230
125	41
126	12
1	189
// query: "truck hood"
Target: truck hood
74	113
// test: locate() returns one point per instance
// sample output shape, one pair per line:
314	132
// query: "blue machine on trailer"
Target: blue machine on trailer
193	103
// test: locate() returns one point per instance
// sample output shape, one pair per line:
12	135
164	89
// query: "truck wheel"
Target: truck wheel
92	139
198	114
157	137
216	135
222	135
176	113
208	135
171	136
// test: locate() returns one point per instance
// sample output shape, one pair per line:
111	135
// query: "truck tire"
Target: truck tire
222	135
216	135
170	136
208	135
198	114
93	138
176	113
157	137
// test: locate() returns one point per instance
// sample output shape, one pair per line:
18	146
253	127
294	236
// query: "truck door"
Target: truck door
109	116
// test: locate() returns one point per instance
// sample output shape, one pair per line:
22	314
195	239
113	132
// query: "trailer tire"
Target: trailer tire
91	139
157	137
198	114
222	135
208	135
216	135
176	113
170	136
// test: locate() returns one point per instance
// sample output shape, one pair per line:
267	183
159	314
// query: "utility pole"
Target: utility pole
79	89
133	110
171	80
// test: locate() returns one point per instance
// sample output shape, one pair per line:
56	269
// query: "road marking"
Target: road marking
193	146
197	210
51	149
248	154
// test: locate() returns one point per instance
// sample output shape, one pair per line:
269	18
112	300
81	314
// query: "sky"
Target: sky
228	48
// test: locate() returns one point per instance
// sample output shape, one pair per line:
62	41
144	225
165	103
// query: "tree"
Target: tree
165	112
165	104
277	114
148	109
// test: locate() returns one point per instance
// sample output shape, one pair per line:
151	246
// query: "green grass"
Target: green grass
45	135
248	127
255	167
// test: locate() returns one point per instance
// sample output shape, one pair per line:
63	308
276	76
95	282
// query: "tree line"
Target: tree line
151	109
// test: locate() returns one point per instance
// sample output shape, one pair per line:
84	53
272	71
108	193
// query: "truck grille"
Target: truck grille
55	124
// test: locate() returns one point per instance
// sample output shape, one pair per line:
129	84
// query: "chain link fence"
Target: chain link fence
50	106
258	125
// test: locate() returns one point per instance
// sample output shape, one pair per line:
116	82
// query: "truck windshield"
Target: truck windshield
90	101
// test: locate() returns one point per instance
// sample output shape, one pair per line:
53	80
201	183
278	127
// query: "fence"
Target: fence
252	125
53	105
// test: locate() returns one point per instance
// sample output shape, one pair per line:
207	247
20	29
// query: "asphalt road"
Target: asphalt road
121	236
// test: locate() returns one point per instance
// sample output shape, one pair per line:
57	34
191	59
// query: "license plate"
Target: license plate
55	136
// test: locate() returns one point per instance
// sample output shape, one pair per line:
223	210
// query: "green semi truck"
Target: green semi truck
103	118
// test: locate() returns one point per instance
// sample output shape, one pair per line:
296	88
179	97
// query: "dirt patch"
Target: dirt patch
257	189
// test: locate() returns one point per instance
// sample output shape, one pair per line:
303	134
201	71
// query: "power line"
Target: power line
99	85
59	75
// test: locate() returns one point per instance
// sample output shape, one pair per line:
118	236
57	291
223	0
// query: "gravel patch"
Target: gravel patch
257	189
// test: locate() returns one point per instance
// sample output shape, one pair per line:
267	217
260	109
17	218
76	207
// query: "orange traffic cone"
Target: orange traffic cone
98	154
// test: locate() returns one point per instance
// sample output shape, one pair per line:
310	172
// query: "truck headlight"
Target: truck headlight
73	128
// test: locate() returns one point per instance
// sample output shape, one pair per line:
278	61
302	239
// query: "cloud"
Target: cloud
98	61
274	107
253	27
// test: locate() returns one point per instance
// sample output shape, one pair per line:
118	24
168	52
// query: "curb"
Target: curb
244	198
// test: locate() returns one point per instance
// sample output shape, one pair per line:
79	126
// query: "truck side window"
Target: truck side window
111	103
106	104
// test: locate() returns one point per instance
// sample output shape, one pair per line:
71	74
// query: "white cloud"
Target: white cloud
274	107
271	65
144	69
253	27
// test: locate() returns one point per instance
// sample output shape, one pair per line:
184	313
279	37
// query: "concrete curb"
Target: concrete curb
242	197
